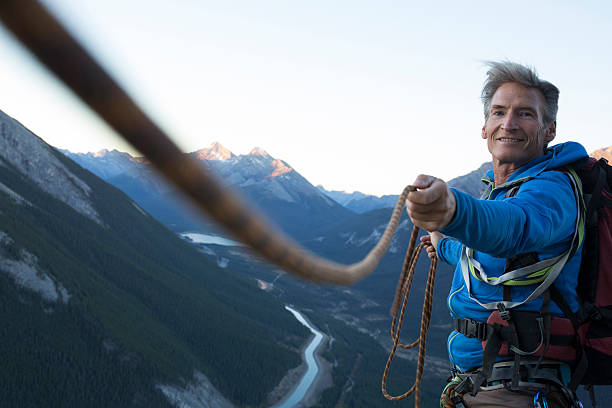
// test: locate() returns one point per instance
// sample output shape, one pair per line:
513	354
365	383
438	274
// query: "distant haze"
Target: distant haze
353	95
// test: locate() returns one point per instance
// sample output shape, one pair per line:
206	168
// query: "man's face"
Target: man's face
514	130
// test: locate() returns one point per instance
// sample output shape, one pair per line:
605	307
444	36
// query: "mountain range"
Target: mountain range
272	185
470	183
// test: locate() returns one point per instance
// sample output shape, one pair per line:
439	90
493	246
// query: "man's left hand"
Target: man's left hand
433	205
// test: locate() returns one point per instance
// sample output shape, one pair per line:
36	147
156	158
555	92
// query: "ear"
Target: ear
551	132
484	134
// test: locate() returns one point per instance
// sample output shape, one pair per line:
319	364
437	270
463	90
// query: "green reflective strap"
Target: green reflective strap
578	192
529	279
550	268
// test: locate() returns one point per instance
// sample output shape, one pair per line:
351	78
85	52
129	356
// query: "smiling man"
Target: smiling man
508	248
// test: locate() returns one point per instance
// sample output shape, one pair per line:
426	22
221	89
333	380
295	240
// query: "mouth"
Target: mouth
506	139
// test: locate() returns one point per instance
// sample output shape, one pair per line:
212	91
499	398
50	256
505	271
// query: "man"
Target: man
530	212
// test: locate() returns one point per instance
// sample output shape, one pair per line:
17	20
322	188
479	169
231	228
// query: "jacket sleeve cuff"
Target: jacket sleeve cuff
440	250
458	220
448	250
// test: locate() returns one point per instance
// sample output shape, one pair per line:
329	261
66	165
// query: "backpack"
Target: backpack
582	339
595	276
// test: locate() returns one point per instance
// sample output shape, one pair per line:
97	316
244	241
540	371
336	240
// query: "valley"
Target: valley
129	298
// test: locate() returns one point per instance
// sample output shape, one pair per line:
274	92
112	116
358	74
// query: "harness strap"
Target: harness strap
544	272
489	355
545	313
472	328
504	372
485	331
508	277
595	199
582	365
526	373
554	272
481	330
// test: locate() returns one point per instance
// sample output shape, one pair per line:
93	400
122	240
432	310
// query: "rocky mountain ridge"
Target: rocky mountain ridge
271	184
469	183
362	203
21	149
605	152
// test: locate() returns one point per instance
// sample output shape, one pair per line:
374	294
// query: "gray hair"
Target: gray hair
501	72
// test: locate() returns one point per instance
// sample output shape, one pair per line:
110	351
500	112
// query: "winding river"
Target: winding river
209	239
300	391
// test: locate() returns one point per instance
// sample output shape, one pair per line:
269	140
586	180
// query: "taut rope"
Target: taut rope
49	41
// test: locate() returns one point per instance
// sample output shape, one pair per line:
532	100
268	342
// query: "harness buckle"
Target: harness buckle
472	328
503	312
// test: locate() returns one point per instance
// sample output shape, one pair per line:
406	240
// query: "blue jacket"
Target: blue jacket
540	218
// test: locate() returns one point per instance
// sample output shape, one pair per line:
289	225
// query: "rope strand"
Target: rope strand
402	293
55	47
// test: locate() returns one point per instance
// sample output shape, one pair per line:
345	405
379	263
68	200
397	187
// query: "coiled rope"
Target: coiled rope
401	296
53	45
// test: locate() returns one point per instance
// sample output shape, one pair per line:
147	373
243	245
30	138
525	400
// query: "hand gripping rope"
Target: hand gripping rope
51	43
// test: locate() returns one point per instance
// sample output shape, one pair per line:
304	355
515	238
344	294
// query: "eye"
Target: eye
526	114
497	113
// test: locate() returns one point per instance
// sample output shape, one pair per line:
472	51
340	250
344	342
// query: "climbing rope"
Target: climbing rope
449	394
401	296
51	43
54	46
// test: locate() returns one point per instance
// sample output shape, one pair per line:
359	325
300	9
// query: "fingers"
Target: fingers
432	206
423	181
431	251
430	189
429	246
426	239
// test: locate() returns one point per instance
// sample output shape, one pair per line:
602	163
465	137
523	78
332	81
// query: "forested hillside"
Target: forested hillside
101	304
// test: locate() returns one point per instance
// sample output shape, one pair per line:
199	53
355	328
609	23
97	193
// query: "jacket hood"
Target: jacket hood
556	156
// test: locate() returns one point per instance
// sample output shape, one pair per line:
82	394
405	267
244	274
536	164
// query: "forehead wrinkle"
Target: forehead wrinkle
524	107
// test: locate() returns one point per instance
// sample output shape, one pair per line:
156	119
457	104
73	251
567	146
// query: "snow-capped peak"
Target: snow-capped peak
258	151
101	153
216	151
605	152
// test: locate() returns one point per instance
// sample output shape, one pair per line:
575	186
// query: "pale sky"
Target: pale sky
355	95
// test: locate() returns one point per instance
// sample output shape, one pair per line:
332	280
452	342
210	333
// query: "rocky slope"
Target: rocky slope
103	306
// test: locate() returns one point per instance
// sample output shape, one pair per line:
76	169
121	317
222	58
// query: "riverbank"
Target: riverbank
321	383
289	383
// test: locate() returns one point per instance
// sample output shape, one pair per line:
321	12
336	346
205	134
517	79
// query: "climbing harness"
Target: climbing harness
401	297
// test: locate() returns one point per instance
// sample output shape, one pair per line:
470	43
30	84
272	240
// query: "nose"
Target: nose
509	122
